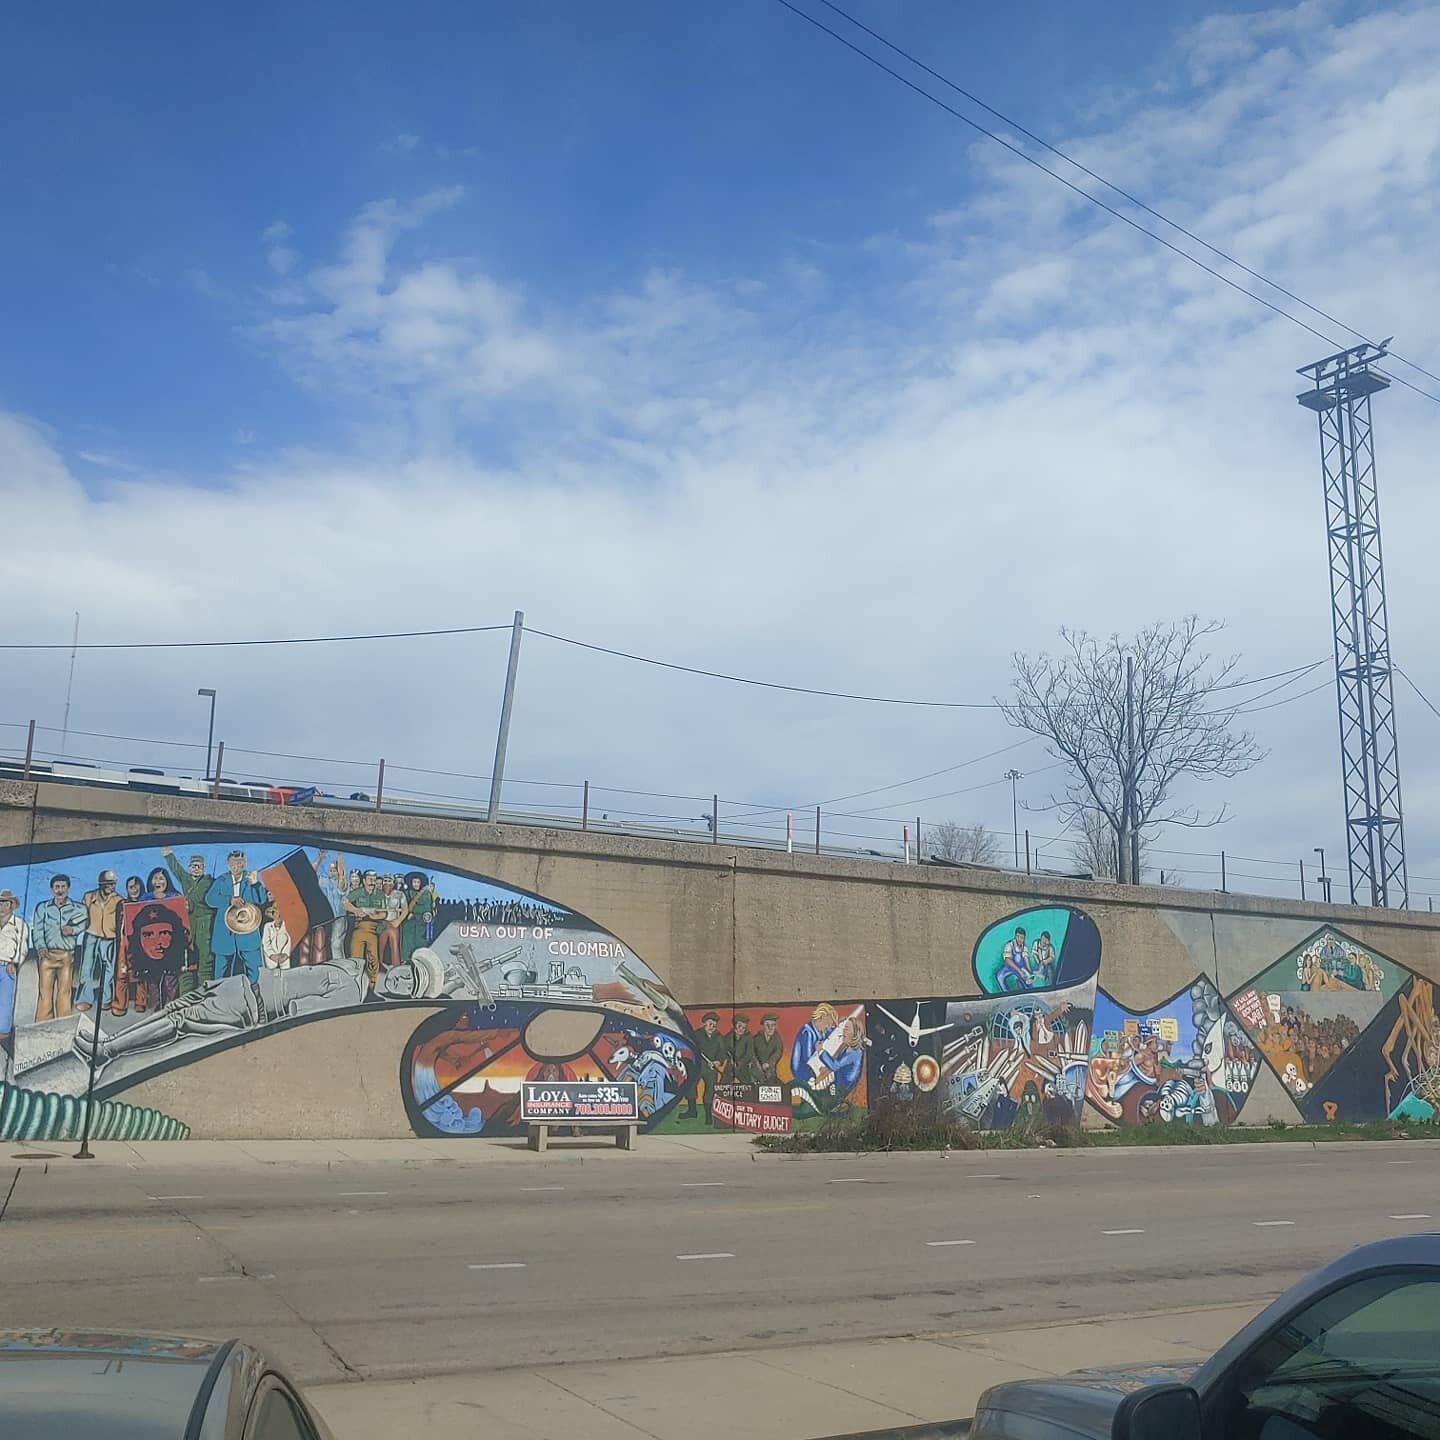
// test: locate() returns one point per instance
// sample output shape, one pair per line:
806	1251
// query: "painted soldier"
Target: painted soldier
767	1047
742	1052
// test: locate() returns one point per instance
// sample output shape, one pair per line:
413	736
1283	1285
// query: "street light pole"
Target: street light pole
210	736
1324	878
1013	776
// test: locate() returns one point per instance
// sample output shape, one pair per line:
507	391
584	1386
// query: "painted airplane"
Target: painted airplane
913	1030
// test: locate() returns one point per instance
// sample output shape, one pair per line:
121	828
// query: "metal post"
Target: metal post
714	819
1224	888
817	829
219	771
380	784
1027	852
84	1152
29	750
497	772
210	734
585	807
1302	879
906	831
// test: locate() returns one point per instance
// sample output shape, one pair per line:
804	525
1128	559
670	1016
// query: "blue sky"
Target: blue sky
687	332
593	141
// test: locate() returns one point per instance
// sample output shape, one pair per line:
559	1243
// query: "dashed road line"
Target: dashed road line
1131	1232
1409	1217
701	1184
215	1279
174	1197
1264	1223
709	1255
499	1265
935	1243
850	1180
348	1194
535	1189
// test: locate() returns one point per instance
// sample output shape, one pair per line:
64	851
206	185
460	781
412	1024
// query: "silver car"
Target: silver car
1352	1350
60	1384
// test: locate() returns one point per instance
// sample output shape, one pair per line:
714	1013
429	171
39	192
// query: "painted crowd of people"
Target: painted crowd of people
163	935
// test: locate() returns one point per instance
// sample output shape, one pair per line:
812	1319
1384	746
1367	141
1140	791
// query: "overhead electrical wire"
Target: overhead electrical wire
247	644
1095	200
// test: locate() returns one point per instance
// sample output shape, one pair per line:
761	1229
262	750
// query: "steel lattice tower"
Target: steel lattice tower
1369	750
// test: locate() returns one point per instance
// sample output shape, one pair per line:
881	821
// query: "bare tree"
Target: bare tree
1096	853
1131	717
964	844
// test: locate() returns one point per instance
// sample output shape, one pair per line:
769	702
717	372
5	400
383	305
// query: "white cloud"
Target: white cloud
1047	420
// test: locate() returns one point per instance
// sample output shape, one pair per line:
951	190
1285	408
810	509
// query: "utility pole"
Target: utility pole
1012	776
1130	830
497	771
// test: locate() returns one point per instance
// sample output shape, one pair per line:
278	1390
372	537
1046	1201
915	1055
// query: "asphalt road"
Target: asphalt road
388	1271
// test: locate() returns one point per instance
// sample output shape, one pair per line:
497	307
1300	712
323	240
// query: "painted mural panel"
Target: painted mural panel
1186	1060
1044	948
772	1068
1009	1057
1305	1011
138	958
906	1037
464	1067
1392	1068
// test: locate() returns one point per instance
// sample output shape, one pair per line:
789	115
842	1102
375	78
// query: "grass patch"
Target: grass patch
892	1125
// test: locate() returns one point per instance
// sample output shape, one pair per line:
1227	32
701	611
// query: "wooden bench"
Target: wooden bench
624	1131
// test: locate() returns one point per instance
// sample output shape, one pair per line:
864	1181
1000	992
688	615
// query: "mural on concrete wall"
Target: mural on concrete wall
136	956
1185	1060
464	1067
1311	1006
773	1068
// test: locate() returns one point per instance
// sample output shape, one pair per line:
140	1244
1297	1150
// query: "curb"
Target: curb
931	1430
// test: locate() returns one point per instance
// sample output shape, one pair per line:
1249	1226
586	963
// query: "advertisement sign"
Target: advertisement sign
577	1100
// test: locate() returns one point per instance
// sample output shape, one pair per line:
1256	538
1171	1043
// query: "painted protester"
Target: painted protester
237	899
14	946
195	885
95	984
56	931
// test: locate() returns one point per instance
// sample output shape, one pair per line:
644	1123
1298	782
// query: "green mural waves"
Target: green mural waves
39	1115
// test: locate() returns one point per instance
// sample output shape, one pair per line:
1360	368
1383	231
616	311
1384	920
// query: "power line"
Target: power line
1288	700
1079	190
1119	190
766	684
1423	696
246	644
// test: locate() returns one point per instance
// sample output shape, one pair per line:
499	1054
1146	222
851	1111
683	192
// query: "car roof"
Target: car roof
1419	1251
61	1383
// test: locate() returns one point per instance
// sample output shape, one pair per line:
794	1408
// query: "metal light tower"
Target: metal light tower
1369	752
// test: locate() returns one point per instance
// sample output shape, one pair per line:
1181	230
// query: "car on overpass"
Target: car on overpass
1352	1350
58	1384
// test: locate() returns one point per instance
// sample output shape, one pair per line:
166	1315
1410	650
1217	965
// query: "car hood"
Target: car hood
1083	1402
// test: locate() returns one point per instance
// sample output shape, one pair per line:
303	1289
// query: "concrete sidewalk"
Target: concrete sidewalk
791	1393
210	1154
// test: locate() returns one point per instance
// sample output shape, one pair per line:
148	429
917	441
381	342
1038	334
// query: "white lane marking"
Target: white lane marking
174	1197
700	1184
1122	1232
535	1189
499	1265
1032	1197
849	1180
213	1279
933	1243
346	1194
1399	1162
1409	1217
709	1255
989	1176
1263	1223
